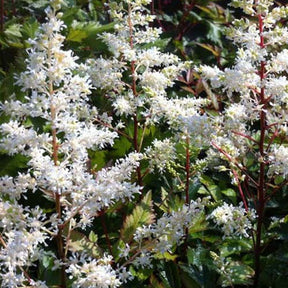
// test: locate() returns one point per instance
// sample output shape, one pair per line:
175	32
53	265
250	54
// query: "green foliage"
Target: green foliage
11	165
195	33
141	215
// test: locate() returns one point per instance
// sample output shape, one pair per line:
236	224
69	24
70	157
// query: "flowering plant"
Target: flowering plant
118	186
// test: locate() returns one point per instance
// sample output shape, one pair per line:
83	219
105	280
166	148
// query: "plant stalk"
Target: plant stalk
135	94
261	193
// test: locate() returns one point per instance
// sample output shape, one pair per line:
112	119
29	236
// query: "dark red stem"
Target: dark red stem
2	16
135	94
261	180
102	217
187	168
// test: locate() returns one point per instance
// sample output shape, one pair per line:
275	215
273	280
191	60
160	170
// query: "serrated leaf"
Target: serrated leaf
214	33
141	274
85	30
141	215
13	30
80	242
164	200
235	246
93	237
121	147
199	224
76	35
29	29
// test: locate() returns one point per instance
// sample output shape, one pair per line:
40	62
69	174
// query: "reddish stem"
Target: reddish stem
2	16
106	232
261	180
13	8
231	160
245	136
55	147
187	169
240	190
135	94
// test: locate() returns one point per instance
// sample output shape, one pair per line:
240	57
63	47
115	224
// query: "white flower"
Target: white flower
233	221
279	63
144	260
91	273
278	158
123	106
161	154
170	228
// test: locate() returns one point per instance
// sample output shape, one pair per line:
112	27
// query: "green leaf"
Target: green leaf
211	48
235	246
160	43
13	30
10	165
121	147
214	33
199	224
188	281
239	274
231	194
30	28
167	256
93	237
45	272
141	274
172	274
278	180
97	160
37	4
84	30
141	215
210	187
76	35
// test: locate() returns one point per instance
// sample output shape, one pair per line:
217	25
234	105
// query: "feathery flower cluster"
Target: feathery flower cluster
87	272
161	154
22	236
233	221
169	230
279	161
135	79
58	96
153	72
248	90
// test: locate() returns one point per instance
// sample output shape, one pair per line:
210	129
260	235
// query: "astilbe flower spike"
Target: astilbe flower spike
254	124
57	92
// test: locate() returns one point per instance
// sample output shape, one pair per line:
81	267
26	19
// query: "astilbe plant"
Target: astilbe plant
55	127
57	94
252	130
59	131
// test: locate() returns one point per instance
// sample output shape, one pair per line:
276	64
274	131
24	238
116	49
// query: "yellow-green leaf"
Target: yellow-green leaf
141	215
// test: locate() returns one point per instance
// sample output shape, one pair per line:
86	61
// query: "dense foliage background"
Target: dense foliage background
194	31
